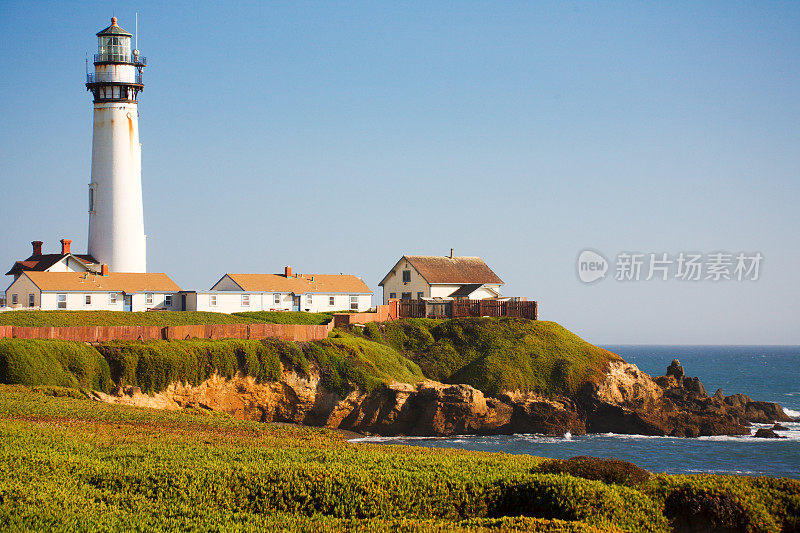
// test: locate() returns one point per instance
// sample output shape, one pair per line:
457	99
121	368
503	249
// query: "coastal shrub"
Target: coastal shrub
690	510
52	362
709	500
69	464
346	360
500	354
606	470
118	318
153	365
372	331
781	497
570	498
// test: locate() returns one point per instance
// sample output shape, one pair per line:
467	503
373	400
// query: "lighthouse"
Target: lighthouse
116	215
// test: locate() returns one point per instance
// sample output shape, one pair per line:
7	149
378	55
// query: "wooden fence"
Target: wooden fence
290	332
466	308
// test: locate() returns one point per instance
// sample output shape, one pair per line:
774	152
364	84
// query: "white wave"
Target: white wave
567	436
791	412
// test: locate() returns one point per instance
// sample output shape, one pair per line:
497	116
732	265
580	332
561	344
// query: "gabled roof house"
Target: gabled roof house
89	291
66	261
284	292
444	277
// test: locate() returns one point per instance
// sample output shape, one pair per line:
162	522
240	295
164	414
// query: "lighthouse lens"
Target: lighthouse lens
115	48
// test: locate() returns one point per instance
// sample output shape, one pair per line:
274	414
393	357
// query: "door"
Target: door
296	303
183	302
128	303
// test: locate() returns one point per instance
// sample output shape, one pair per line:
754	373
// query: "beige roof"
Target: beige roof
301	283
115	281
445	269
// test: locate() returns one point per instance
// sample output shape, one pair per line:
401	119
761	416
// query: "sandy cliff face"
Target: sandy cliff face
626	401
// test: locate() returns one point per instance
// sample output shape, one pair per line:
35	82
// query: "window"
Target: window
14	299
212	300
62	301
112	298
353	302
277	299
31	300
168	300
308	299
406	276
88	299
245	300
115	48
392	295
420	295
330	300
406	296
148	298
91	198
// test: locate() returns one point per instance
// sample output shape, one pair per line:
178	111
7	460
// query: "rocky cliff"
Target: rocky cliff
625	401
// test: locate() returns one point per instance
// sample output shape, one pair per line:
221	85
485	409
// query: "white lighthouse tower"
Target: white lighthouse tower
116	217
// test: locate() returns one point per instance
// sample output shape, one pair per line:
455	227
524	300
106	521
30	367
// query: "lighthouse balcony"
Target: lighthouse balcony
112	77
124	57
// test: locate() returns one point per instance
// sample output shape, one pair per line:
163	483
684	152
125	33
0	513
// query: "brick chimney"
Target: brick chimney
65	244
287	271
37	247
104	270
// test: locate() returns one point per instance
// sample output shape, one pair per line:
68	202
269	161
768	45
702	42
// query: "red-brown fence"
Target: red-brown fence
291	332
382	314
466	308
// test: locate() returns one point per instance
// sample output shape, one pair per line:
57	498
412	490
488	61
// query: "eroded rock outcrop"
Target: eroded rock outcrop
626	401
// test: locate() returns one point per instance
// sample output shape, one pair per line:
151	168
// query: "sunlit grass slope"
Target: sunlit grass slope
497	354
70	464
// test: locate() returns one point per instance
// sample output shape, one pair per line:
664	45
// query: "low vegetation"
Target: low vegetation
62	363
118	318
286	317
344	361
497	354
73	464
491	354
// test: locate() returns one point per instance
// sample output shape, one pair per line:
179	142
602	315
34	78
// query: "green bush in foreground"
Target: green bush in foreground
52	362
605	470
69	464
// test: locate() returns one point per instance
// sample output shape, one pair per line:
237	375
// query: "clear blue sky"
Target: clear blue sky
334	137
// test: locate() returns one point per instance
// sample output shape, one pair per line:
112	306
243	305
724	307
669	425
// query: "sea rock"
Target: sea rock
766	433
626	400
778	427
675	370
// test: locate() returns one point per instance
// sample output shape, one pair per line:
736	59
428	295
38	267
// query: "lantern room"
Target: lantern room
114	45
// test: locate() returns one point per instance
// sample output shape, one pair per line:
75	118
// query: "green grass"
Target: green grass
344	361
497	354
68	464
156	318
118	318
61	363
287	317
347	360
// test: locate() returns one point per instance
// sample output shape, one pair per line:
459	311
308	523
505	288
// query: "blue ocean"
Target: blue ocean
770	373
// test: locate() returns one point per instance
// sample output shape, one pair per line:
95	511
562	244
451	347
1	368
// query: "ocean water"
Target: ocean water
770	373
